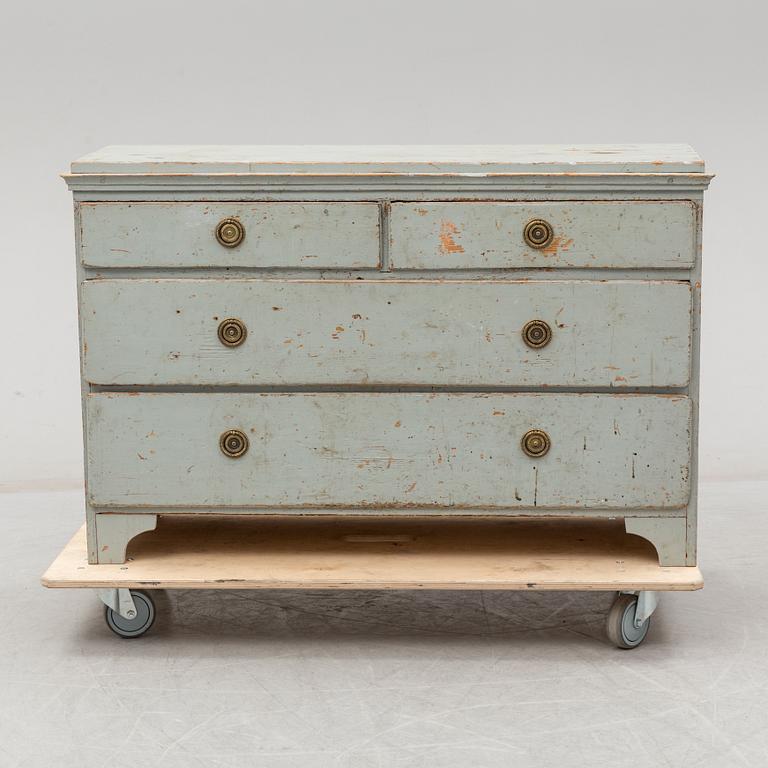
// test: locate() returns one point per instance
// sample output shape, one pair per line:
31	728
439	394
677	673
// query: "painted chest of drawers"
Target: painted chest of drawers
498	330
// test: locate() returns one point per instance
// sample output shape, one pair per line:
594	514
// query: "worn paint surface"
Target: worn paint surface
389	159
313	235
586	234
457	193
393	450
606	334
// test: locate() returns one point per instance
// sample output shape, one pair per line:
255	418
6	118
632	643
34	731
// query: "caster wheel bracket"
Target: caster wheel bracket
119	600
647	602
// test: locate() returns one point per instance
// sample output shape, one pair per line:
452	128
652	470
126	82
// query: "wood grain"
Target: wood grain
235	553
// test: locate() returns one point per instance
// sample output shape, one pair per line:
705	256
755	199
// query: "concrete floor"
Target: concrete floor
399	679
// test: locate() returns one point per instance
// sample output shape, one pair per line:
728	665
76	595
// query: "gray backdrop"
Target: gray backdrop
78	75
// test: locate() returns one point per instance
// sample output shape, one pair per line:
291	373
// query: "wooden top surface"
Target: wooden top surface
242	552
391	159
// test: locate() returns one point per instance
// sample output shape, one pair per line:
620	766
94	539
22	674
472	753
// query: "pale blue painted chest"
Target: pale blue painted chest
493	330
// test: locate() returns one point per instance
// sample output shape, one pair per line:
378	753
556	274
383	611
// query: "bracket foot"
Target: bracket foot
667	534
114	531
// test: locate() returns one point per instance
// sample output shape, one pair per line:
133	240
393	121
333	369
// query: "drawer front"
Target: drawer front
486	235
364	450
380	332
308	235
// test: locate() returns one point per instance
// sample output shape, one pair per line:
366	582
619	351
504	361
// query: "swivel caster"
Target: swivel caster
630	618
128	615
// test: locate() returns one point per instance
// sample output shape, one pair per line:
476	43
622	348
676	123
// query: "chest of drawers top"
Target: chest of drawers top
393	159
379	171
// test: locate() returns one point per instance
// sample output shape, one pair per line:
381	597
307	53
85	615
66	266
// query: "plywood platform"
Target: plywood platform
196	552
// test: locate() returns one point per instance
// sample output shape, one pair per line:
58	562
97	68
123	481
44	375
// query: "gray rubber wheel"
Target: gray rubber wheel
136	627
621	623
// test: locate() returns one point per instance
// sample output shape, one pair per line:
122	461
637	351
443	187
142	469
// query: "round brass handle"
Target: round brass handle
538	233
233	443
537	334
230	232
232	332
535	443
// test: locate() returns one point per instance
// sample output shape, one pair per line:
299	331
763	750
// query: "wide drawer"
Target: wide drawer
299	235
408	450
485	235
379	332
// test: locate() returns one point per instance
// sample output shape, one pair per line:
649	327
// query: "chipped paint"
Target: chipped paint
557	244
448	231
645	234
433	352
404	320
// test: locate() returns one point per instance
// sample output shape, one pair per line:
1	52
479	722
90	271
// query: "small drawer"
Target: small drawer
389	451
617	333
496	235
298	235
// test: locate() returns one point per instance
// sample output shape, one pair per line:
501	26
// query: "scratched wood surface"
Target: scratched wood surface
390	450
313	235
307	332
592	234
188	552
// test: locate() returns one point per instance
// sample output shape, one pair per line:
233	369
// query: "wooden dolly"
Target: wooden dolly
240	552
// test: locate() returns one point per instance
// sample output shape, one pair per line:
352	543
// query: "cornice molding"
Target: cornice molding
382	185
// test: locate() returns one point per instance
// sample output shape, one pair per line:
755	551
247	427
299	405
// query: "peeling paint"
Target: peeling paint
447	243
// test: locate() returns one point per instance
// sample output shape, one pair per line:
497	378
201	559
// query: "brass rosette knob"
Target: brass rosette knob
232	332
233	443
536	334
538	233
230	232
535	443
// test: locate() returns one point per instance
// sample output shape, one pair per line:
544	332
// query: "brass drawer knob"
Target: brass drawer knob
232	332
535	443
230	232
537	334
233	443
538	233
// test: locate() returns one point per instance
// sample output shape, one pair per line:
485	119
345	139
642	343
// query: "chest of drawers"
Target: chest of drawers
463	331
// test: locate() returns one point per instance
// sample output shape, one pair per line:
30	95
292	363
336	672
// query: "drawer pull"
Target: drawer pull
535	443
232	332
233	443
230	232
538	233
537	334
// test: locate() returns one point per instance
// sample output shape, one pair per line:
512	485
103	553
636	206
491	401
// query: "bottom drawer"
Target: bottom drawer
362	450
